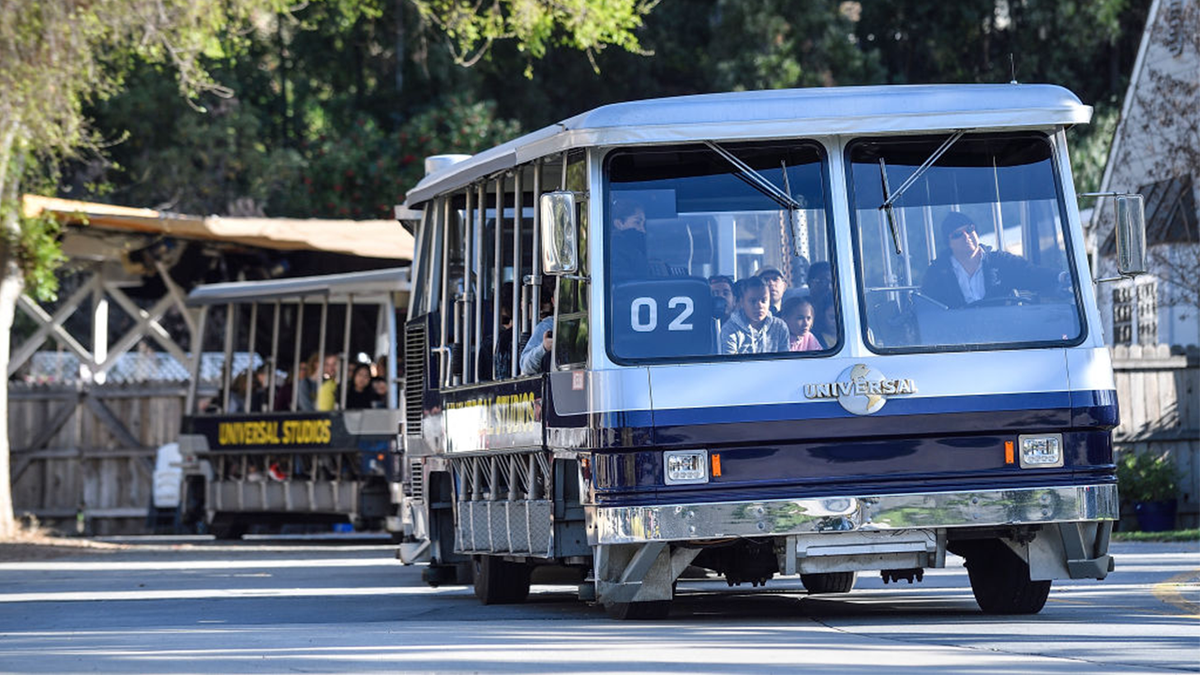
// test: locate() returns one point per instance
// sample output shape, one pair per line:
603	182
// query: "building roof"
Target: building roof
777	113
365	238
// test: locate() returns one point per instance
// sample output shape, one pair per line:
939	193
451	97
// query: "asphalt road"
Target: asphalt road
317	607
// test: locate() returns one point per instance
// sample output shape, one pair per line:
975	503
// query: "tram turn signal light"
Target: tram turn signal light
716	465
1009	454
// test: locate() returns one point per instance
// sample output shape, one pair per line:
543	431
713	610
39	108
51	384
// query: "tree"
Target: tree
473	26
59	57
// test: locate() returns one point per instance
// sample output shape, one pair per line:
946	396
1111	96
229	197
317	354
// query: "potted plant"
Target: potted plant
1148	482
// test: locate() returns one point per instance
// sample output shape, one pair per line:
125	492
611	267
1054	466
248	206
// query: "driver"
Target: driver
966	272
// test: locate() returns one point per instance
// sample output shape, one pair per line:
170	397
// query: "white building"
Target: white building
1156	151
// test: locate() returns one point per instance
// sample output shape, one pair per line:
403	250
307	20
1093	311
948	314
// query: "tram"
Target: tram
279	433
585	391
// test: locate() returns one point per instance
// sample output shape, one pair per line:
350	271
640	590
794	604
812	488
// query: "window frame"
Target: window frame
1052	143
825	171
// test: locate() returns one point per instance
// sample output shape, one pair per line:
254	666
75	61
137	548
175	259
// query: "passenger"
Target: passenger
361	394
237	393
306	398
820	294
380	386
966	272
776	284
820	285
797	313
535	356
825	325
628	241
327	391
752	329
502	359
722	292
283	397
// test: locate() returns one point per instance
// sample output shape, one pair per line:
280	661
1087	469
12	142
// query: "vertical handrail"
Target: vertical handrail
517	281
274	356
250	374
197	358
346	349
227	367
298	355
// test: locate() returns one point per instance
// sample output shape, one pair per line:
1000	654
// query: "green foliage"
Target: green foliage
1146	477
587	25
772	44
363	171
1090	144
1172	535
39	255
214	162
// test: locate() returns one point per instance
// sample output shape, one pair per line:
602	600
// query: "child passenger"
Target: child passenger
798	314
752	329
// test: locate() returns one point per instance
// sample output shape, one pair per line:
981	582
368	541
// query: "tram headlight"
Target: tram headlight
1041	450
686	466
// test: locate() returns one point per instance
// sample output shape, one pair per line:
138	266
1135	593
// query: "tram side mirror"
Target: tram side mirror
1131	235
559	247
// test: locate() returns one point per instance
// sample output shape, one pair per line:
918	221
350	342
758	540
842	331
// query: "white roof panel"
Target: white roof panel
363	285
778	113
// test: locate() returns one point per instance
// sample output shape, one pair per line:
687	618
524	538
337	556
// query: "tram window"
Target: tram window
995	199
677	217
571	327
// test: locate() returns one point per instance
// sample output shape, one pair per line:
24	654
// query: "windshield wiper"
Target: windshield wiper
890	199
759	182
756	180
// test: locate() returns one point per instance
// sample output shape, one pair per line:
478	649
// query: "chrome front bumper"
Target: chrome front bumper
781	517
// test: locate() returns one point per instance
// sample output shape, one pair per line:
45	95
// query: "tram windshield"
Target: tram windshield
708	245
982	259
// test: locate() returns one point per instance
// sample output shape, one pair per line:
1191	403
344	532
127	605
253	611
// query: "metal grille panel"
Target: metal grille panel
415	345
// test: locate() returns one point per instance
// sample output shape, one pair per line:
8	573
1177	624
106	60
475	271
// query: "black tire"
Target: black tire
1000	581
639	611
227	529
500	582
828	582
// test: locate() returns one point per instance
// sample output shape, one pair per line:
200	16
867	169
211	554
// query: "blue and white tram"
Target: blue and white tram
957	395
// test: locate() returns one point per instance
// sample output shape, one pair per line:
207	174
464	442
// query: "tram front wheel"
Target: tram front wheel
501	582
1000	581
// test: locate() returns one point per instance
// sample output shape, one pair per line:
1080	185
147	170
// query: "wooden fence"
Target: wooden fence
85	455
1158	389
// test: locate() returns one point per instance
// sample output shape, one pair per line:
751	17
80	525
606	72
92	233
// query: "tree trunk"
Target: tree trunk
11	285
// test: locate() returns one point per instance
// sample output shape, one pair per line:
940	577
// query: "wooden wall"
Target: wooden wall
1158	390
89	450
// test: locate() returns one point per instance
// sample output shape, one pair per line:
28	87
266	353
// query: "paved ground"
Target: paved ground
275	607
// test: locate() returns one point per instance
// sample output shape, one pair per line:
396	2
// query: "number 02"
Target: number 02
650	324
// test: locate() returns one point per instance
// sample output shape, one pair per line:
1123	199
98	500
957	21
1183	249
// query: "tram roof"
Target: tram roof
367	287
777	113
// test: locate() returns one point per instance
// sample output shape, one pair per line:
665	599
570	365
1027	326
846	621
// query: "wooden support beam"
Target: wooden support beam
63	413
109	420
52	325
147	326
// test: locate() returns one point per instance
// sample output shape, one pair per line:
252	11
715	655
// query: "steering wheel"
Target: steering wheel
1003	301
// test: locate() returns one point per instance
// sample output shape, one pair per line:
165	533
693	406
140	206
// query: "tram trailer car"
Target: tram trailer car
670	425
260	457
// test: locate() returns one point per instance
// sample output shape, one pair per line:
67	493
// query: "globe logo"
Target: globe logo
860	389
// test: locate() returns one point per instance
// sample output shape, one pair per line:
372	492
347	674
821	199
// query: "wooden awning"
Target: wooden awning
366	238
